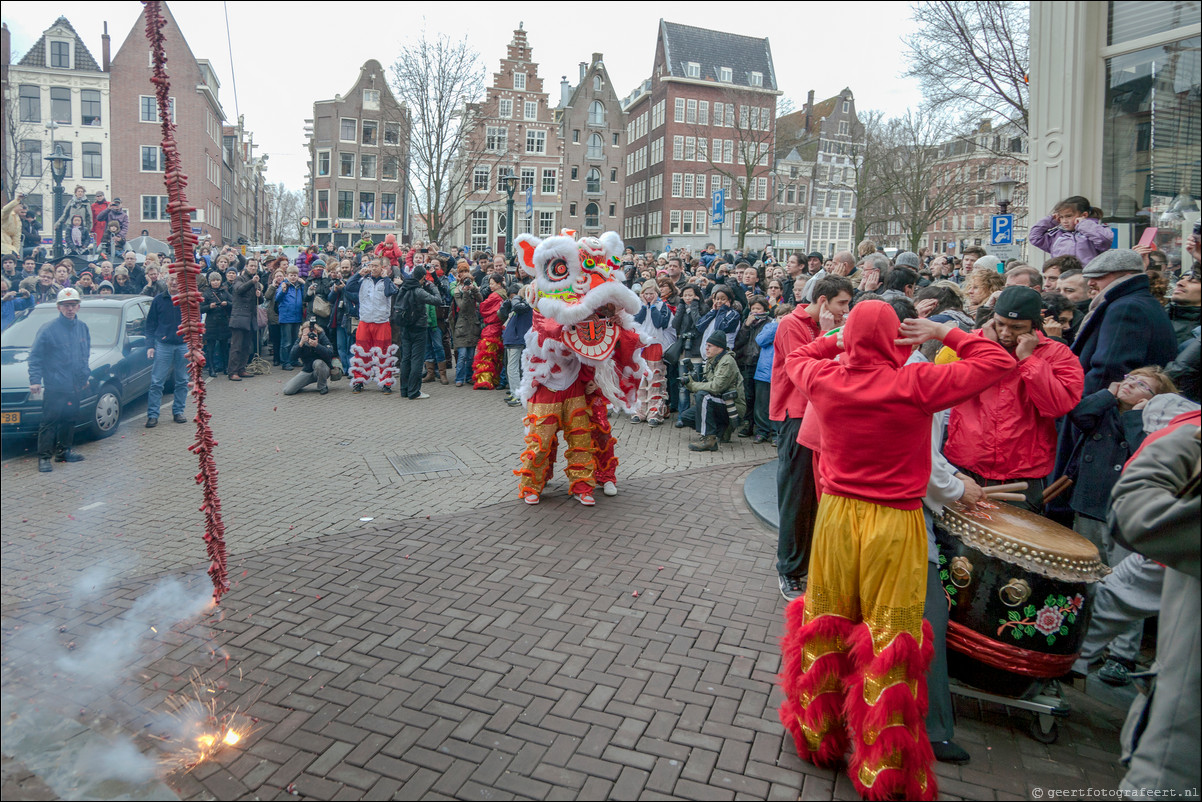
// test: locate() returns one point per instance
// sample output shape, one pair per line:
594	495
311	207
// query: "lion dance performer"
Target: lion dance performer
583	338
487	364
856	648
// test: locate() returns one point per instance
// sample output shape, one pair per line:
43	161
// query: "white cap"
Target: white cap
68	295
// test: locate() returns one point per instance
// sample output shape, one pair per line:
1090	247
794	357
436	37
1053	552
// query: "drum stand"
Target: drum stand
1048	704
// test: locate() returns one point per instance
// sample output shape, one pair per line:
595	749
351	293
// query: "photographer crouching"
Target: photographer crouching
313	352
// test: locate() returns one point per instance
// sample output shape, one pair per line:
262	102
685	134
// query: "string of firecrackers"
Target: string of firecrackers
188	298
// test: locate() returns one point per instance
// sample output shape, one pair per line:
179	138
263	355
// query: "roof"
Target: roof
792	130
713	49
36	57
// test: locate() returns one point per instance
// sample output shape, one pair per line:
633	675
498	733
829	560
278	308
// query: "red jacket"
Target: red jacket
1009	431
875	411
795	330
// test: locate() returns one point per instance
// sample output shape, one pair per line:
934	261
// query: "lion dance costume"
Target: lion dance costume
487	364
583	333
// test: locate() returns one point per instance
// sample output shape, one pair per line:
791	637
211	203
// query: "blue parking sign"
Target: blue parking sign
1001	230
718	211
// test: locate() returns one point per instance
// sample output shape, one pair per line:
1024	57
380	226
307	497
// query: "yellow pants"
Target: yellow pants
548	413
855	650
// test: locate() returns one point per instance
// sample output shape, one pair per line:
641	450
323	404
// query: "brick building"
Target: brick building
792	208
246	193
512	130
358	162
592	127
705	120
136	134
57	95
829	135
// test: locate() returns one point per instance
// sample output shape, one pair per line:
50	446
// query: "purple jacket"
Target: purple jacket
1090	239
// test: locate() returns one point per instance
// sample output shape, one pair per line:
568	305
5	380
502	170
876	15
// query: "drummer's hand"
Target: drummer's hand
972	492
1027	343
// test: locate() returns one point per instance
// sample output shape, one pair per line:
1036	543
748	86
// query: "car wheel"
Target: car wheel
107	413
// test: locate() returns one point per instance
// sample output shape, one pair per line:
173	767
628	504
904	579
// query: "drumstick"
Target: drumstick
1012	487
1007	497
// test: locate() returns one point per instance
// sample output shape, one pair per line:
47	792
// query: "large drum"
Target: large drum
1019	590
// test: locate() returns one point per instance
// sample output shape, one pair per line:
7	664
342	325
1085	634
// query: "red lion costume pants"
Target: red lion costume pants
373	356
548	413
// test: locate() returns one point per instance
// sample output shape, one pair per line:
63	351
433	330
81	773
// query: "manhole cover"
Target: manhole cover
425	463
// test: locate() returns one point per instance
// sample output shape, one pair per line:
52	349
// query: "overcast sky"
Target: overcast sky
282	62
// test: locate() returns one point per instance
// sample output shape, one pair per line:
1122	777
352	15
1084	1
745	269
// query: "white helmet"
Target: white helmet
68	295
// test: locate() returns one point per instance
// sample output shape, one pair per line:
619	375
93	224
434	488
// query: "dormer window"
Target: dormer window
847	107
725	75
60	55
757	79
692	69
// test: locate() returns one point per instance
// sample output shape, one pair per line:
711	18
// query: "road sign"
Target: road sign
529	201
718	211
1001	230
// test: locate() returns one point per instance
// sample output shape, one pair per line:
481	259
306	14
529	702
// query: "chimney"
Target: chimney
565	91
105	49
5	47
809	107
583	69
596	57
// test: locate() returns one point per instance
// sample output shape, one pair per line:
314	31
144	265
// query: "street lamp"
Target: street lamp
1003	188
511	184
59	162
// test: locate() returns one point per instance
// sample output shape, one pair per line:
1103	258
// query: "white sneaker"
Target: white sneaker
609	489
423	395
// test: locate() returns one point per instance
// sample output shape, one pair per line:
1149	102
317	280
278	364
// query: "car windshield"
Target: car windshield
103	324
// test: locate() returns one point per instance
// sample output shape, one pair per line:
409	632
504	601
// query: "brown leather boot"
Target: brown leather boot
442	373
430	374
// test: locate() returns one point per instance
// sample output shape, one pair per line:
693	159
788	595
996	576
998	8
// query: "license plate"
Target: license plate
10	417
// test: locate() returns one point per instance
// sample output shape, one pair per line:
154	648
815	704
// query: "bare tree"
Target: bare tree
284	210
921	190
973	55
16	131
869	177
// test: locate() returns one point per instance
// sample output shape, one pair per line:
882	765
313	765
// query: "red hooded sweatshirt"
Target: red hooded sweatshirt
876	411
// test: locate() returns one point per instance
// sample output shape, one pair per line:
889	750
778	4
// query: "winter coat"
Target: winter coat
1108	439
467	316
721	375
518	316
488	316
290	302
163	321
41	293
58	358
1126	329
304	354
1184	319
655	323
11	307
97	223
1184	369
1089	239
420	292
724	319
747	349
318	288
1008	431
217	304
685	324
766	340
121	217
344	307
374	296
75	206
244	314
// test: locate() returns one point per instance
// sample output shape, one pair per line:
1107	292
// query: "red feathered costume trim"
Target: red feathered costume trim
812	711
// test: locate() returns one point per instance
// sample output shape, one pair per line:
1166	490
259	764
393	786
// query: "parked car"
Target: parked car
119	365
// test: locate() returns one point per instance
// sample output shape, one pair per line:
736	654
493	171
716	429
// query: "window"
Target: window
371	97
367	166
346	165
575	134
31	104
575	174
690	148
347	128
592	216
571	210
596	146
728	151
678	147
60	104
31	157
89	107
519	81
527	179
688	185
679	113
323	204
370	129
147	109
530	110
703	112
844	128
676	182
479	231
761	192
657	151
391	169
496	139
367	205
657	115
617	140
154	207
346	204
692	69
546	224
674	222
505	108
725	75
323	163
392	133
480	178
550	180
152	159
536	142
756	79
592	181
93	161
60	55
596	113
613	175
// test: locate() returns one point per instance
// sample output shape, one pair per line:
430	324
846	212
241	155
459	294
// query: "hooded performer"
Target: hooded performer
581	350
856	649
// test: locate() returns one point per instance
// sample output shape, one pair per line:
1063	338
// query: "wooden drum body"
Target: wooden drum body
1019	590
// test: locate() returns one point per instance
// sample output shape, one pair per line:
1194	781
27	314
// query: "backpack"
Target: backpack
412	311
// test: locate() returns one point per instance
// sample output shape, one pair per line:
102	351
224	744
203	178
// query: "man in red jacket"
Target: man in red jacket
797	496
856	649
1008	432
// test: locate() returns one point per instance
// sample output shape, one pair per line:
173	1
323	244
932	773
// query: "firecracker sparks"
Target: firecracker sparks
188	298
199	729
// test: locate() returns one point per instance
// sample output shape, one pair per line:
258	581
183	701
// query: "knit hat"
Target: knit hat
317	263
815	255
105	285
717	338
907	259
1019	303
1114	261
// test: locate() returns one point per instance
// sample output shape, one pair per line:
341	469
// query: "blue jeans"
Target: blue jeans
463	364
288	334
217	355
168	361
344	339
434	352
